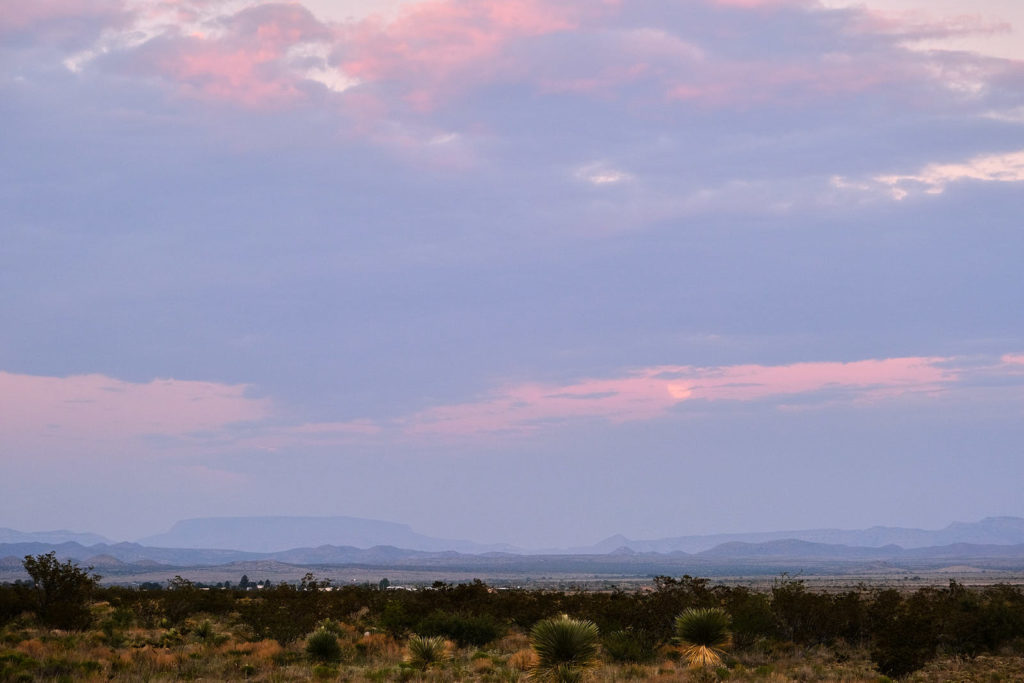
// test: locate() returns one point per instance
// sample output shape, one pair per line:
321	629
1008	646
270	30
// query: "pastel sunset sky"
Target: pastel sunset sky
512	270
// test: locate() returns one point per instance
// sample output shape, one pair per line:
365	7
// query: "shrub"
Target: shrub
464	630
323	646
282	613
704	634
751	616
627	645
330	625
395	619
567	649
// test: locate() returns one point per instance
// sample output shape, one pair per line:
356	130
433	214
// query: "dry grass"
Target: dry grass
380	648
35	654
513	642
522	660
33	647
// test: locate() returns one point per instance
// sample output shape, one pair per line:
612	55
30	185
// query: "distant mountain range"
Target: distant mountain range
132	553
991	530
62	536
995	542
272	534
132	563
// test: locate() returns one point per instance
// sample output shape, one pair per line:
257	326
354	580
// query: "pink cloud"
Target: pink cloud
651	392
432	44
431	51
435	49
870	378
247	59
204	417
96	407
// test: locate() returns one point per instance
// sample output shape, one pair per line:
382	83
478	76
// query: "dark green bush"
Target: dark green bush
629	645
395	619
323	646
15	599
464	630
282	613
752	616
905	631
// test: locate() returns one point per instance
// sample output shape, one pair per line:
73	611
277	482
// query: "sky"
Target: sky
512	270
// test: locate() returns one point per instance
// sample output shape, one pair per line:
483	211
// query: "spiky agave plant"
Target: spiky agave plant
567	649
704	635
427	650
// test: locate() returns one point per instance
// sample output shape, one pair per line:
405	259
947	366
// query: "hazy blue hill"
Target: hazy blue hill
999	541
991	530
274	534
129	553
64	551
120	560
60	536
104	562
967	550
792	549
329	554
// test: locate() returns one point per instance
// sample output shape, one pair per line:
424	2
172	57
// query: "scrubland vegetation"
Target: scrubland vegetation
63	626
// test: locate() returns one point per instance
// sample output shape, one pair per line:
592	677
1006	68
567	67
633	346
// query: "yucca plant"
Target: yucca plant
427	650
204	631
567	649
704	635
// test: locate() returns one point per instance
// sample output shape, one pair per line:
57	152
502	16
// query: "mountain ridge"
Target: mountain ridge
1003	530
57	536
268	534
131	563
219	539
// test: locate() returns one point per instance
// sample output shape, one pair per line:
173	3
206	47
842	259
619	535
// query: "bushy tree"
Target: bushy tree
62	590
